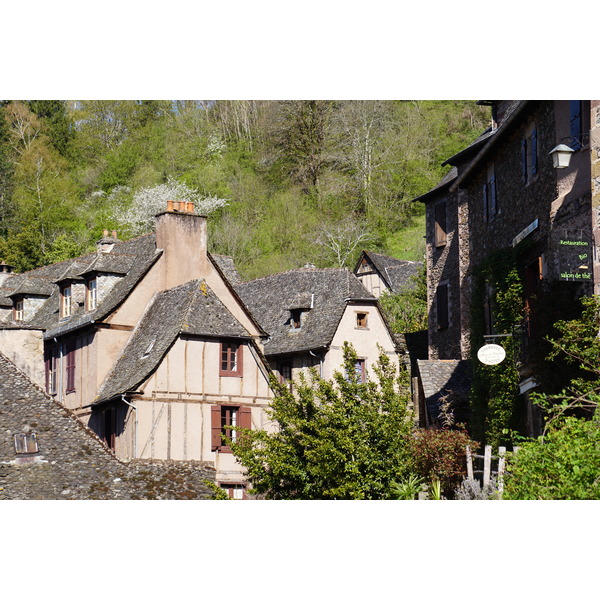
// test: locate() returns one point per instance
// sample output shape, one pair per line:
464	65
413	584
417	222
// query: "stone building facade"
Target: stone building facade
504	195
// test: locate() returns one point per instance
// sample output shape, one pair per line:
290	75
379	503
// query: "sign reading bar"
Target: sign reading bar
574	257
491	354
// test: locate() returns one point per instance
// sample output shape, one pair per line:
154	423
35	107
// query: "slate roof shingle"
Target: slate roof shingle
271	298
396	273
446	378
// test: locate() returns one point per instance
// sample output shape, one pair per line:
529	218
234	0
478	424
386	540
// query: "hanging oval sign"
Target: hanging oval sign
491	354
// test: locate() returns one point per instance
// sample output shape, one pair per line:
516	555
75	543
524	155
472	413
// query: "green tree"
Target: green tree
339	439
564	462
562	465
407	311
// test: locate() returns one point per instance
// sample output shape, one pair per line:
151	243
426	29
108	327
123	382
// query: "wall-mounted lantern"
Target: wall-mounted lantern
561	156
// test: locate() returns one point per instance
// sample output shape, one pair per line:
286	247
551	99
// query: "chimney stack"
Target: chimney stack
181	235
106	244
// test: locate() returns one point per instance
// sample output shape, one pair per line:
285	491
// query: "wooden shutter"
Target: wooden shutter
534	151
71	346
215	427
442	306
440	223
245	417
524	160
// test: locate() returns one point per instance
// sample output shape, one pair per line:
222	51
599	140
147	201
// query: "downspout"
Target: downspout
320	359
135	425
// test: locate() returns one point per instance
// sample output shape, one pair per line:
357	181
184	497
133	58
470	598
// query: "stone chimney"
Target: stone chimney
5	271
106	243
181	235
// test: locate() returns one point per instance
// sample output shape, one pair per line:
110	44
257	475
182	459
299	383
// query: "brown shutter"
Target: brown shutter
440	223
47	365
245	417
71	346
215	425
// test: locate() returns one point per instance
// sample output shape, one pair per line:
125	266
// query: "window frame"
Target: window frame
231	358
364	321
52	370
218	426
19	310
66	301
91	295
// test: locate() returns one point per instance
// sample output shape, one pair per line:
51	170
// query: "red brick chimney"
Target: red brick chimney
181	235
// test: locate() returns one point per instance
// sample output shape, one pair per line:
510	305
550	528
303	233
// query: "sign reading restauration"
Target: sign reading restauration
574	257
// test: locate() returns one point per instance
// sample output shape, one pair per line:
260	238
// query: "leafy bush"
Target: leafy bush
563	465
440	454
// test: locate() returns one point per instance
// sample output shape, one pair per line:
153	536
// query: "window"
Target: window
223	418
360	368
92	294
65	302
51	364
295	318
579	123
18	310
109	427
26	443
285	373
361	320
529	151
71	347
235	491
490	200
231	359
441	297
440	224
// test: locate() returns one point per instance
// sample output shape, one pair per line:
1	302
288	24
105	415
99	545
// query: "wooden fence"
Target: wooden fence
492	464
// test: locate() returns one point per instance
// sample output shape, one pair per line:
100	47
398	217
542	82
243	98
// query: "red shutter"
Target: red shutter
215	427
71	346
245	417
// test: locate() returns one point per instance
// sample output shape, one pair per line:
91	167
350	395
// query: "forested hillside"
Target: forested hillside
286	182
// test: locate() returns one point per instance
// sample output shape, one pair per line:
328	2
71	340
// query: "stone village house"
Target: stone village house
157	347
504	192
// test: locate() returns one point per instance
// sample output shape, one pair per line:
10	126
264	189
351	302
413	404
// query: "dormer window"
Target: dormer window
92	294
26	443
18	310
295	318
65	301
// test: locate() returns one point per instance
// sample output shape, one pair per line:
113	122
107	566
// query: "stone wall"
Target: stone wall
71	462
443	266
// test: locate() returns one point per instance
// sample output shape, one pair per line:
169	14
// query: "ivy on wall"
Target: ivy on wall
495	388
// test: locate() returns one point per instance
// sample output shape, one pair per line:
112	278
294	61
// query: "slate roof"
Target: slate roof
71	462
446	378
192	309
396	273
227	268
271	298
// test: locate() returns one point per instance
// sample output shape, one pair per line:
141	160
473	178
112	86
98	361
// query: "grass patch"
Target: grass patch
409	243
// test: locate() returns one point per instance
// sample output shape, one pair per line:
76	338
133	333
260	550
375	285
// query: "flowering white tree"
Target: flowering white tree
138	215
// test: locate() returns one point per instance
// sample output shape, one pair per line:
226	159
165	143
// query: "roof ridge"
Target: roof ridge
297	270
